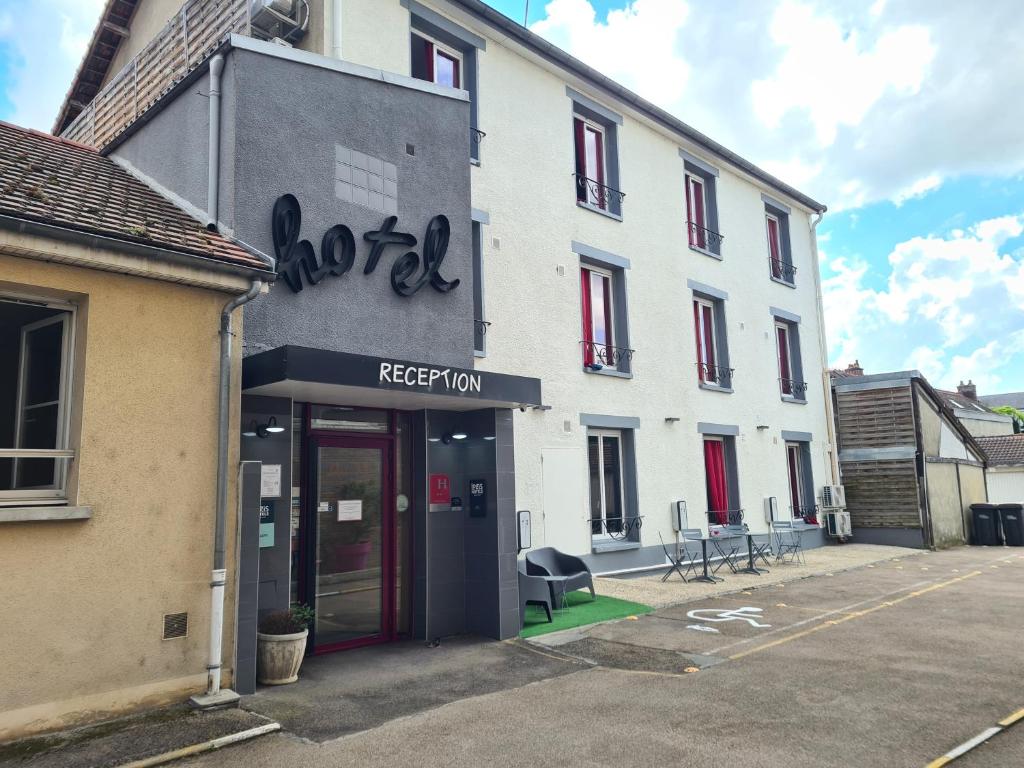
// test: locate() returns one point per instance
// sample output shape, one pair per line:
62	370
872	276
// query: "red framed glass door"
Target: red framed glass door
352	550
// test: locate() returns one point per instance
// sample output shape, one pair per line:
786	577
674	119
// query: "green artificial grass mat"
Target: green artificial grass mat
582	610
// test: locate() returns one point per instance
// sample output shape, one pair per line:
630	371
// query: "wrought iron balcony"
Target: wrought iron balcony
605	355
618	528
476	135
793	388
701	237
782	270
807	513
715	374
725	516
594	193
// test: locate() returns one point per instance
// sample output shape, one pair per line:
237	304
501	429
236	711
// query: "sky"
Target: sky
903	116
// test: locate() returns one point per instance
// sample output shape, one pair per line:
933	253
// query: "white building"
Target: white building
639	305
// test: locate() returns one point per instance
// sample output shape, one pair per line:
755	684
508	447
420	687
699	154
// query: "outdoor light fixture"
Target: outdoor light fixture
488	437
447	437
433	439
263	430
251	430
272	427
459	436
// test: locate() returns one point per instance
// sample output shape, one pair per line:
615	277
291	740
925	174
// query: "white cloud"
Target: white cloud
46	40
636	45
952	307
852	104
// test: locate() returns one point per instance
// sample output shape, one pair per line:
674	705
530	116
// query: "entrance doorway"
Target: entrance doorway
351	524
354	542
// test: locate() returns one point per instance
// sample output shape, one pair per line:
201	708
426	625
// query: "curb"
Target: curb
978	740
206	746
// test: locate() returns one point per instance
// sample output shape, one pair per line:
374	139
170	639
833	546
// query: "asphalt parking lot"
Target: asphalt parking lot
891	665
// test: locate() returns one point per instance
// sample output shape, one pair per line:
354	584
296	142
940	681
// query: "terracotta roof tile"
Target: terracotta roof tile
64	183
1004	449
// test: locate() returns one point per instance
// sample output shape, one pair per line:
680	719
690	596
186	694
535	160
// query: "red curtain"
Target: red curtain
784	372
588	330
714	469
696	335
429	49
581	160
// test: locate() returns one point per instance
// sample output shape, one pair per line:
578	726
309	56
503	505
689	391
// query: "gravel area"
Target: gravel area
649	589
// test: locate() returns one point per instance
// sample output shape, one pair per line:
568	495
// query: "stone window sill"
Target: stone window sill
601	211
796	400
598	546
53	514
609	372
716	388
780	281
706	252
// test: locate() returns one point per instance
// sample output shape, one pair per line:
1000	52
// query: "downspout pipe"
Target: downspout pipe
823	349
215	696
213	171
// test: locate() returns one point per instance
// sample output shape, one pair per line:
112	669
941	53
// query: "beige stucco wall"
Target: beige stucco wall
944	505
82	601
149	19
987	425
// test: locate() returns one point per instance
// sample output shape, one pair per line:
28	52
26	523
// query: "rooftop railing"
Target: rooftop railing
185	42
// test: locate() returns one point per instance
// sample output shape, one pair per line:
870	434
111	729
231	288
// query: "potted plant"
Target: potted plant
281	645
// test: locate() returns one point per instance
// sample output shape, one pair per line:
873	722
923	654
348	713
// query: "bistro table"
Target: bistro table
710	578
751	568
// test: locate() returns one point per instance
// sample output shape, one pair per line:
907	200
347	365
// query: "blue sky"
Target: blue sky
901	115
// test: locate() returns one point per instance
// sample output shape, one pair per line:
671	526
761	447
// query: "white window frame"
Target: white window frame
610	277
692	179
62	453
599	434
588	173
785	327
793	451
448	51
700	334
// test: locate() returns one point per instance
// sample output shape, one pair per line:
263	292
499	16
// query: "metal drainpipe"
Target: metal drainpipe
336	31
213	176
823	348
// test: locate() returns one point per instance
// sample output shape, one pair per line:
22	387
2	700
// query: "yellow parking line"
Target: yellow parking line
850	616
939	761
1006	722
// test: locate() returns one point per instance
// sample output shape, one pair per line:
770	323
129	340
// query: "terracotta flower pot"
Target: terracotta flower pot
278	657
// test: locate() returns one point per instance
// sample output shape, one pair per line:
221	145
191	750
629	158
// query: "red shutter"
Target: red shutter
588	329
581	160
784	372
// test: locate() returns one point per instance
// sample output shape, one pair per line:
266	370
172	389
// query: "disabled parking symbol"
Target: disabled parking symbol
748	614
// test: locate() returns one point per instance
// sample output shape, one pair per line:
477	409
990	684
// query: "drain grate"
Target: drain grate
175	625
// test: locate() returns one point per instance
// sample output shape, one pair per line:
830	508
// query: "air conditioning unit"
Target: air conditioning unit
280	20
837	524
833	497
771	509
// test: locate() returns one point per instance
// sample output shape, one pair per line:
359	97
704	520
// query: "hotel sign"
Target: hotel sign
297	261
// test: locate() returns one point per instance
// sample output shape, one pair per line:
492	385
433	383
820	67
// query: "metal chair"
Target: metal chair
683	556
789	547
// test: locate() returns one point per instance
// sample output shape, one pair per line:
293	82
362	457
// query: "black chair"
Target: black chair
533	590
564	573
683	557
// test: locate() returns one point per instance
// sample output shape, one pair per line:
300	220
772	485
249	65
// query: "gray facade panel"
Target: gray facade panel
707	290
593	106
602	421
600	257
708	428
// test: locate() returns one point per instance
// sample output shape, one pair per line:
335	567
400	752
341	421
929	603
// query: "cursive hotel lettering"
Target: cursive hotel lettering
425	376
297	260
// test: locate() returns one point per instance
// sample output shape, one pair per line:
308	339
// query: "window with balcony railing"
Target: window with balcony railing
713	369
787	349
604	344
595	143
780	255
700	181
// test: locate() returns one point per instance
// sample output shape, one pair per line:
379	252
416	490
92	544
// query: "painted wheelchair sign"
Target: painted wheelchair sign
749	615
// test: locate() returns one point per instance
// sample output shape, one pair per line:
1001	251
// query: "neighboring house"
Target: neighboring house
111	300
979	419
1005	468
464	214
910	468
1013	400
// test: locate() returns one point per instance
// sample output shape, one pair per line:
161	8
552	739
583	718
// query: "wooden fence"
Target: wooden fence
184	43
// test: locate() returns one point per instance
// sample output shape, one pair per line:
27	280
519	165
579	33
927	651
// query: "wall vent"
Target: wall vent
567	425
175	625
496	243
